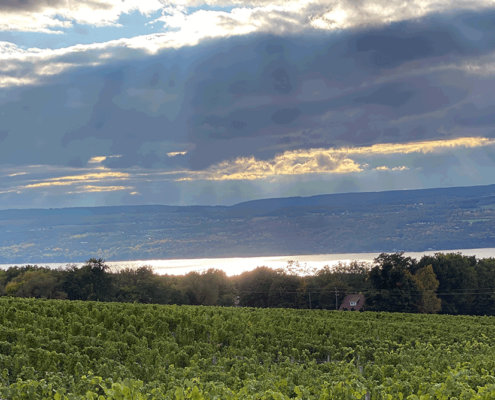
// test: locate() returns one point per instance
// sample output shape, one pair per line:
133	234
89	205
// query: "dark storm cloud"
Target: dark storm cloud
238	124
285	116
281	81
258	96
338	68
75	162
394	48
272	49
390	95
155	79
470	115
127	117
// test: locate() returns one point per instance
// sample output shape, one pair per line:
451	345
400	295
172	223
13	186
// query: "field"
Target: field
55	349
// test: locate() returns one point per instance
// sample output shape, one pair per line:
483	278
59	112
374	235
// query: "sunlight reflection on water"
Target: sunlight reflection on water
234	266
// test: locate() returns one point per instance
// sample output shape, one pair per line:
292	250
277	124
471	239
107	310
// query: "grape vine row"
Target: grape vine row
55	349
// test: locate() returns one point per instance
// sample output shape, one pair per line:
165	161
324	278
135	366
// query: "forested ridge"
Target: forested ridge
411	220
443	283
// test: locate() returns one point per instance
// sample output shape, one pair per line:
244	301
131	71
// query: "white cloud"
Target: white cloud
385	168
16	174
326	161
292	16
307	164
203	24
97	160
98	189
352	14
49	16
19	66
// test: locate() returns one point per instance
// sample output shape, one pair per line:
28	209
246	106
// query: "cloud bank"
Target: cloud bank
221	101
48	16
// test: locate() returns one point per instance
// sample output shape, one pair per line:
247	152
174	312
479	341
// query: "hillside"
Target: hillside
413	220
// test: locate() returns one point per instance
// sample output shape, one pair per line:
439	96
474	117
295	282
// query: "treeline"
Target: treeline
443	283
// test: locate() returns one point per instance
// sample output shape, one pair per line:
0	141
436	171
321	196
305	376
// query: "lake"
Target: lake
235	266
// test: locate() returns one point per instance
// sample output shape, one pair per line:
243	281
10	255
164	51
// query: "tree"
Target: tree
92	281
427	283
2	283
144	286
354	274
457	280
393	287
331	288
40	283
484	304
254	287
211	287
294	268
285	292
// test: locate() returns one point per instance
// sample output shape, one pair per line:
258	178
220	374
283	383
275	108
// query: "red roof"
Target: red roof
352	301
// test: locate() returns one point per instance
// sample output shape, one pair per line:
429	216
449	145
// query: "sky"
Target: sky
112	102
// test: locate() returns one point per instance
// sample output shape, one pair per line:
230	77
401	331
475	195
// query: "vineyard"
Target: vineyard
55	349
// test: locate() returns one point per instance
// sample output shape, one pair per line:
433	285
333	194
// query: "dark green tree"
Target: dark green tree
286	292
209	288
392	287
92	281
254	287
331	289
457	279
484	303
144	286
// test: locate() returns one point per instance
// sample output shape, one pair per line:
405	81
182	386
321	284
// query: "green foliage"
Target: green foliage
394	288
443	283
484	304
142	285
73	350
90	282
211	287
456	274
40	283
254	287
427	283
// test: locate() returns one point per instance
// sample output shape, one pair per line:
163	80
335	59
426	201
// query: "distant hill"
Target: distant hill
410	220
356	198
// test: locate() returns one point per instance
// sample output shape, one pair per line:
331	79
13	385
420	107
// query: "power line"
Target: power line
371	291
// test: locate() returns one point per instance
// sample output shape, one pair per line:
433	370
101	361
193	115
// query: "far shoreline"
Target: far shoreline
236	265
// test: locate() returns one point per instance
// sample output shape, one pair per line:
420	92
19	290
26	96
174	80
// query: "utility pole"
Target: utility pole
336	299
310	300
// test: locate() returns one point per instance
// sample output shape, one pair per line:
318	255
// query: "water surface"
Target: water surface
234	266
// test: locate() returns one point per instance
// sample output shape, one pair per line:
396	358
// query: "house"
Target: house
352	302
